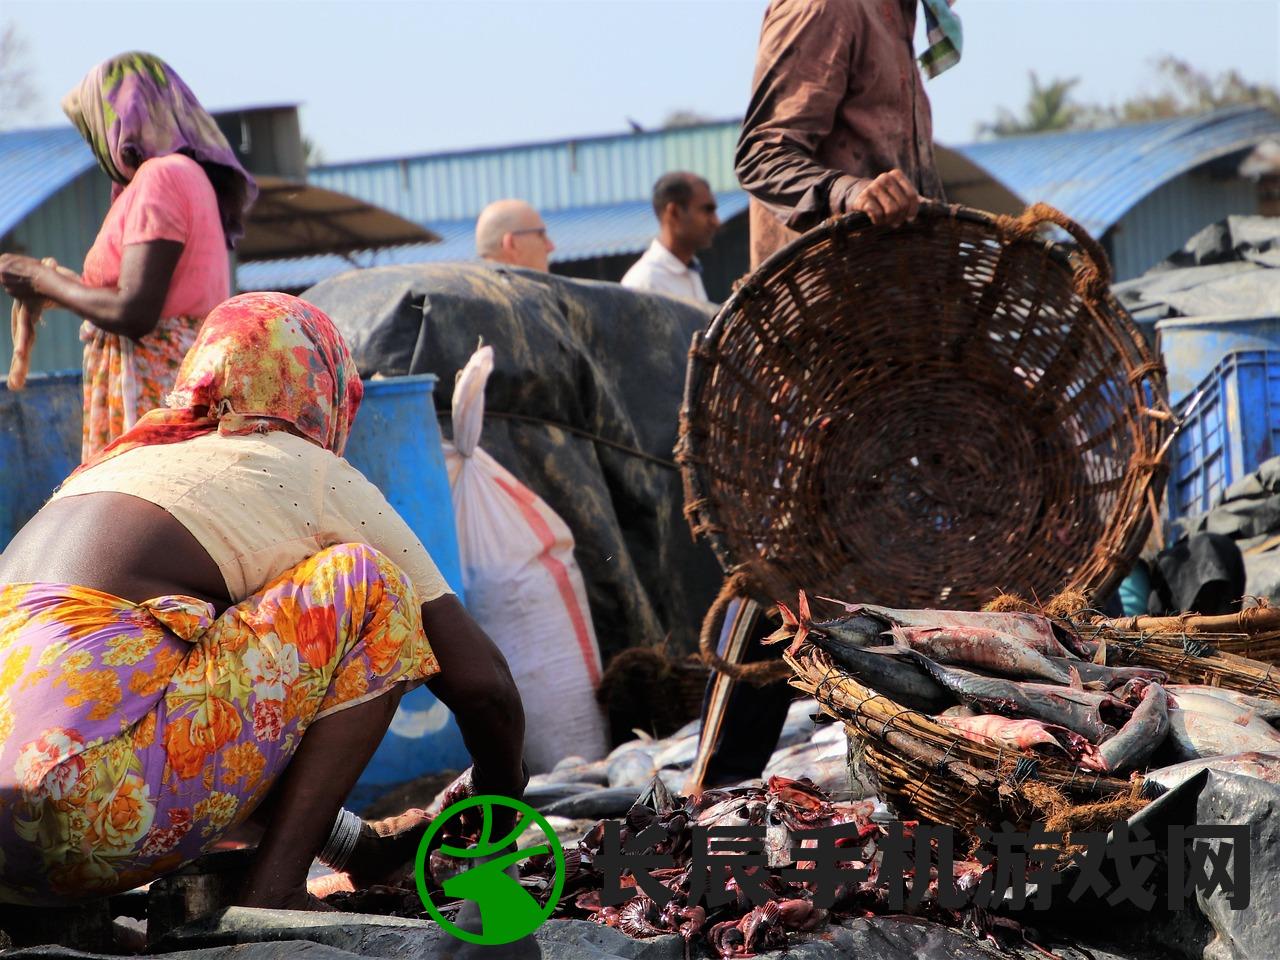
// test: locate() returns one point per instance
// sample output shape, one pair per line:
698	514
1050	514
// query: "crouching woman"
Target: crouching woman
213	620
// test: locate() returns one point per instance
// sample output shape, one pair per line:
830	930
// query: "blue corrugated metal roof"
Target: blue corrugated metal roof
558	175
1096	176
579	234
36	164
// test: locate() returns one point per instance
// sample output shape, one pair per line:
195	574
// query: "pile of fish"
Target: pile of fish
1021	682
576	791
729	917
739	927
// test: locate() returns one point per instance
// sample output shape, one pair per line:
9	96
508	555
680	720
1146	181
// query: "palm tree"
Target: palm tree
1049	107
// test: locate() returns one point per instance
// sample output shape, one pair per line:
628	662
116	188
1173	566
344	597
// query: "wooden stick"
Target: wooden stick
744	614
1255	621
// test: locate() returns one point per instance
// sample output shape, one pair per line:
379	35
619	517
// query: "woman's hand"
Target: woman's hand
18	276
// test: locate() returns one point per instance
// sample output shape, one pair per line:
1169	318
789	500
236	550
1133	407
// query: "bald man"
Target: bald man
512	232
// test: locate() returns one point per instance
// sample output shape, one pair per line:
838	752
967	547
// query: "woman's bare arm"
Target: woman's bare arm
131	309
475	683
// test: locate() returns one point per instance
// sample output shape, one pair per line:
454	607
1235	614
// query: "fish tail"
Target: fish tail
789	622
788	618
782	633
806	616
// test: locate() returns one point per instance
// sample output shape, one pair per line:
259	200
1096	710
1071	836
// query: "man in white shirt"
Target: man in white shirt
687	223
512	232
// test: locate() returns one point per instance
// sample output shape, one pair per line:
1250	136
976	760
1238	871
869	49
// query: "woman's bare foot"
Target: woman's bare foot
386	848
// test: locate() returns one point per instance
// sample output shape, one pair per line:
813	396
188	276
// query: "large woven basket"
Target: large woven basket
925	416
927	771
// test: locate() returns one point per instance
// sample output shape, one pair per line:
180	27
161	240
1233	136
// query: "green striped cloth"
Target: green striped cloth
946	37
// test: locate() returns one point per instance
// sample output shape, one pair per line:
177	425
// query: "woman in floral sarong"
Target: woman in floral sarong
213	620
160	262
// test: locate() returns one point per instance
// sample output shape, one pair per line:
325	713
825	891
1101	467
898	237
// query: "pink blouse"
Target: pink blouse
169	198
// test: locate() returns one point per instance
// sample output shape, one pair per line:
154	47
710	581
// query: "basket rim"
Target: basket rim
689	448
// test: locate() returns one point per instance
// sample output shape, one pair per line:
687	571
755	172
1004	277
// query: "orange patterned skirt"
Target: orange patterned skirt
134	736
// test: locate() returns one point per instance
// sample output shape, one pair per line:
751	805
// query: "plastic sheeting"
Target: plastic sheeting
582	407
1249	513
1230	268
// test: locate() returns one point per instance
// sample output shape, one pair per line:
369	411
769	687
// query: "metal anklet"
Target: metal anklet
342	840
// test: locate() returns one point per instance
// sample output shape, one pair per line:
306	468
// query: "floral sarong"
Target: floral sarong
125	378
134	736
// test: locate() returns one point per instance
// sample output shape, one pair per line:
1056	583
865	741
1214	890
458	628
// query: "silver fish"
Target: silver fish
859	629
595	804
542	795
1196	735
897	678
1078	710
631	768
1141	735
1036	631
1263	707
1261	766
1193	699
797	728
675	752
830	733
595	772
982	648
1112	677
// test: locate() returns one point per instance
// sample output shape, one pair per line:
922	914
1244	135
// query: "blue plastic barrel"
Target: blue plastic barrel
395	442
1193	346
39	444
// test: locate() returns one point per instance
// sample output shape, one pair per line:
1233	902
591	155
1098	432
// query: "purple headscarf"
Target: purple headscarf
134	107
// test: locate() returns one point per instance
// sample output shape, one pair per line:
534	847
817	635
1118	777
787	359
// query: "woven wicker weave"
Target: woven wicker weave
924	417
926	770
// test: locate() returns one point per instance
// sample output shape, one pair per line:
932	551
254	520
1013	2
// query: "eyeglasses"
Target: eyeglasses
540	231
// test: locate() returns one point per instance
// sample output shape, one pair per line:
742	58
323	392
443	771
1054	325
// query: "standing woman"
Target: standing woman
160	261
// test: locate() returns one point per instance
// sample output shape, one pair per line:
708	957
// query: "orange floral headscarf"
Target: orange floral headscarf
262	362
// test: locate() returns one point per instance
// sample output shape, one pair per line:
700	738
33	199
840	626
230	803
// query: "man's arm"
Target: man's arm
801	77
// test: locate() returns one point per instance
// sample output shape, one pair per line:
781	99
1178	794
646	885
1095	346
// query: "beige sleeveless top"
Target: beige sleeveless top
263	503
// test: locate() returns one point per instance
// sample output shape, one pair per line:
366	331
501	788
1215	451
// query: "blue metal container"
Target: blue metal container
39	444
1193	346
1232	428
395	442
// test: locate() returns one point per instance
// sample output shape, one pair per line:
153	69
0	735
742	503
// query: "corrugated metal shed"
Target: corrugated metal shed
559	175
1096	176
1160	222
579	234
52	200
36	164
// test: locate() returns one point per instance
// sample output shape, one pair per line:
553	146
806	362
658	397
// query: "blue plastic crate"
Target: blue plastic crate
1230	430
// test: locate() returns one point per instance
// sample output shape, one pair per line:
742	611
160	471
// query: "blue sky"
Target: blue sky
388	78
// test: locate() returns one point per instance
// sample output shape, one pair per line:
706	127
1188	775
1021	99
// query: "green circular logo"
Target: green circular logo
507	910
